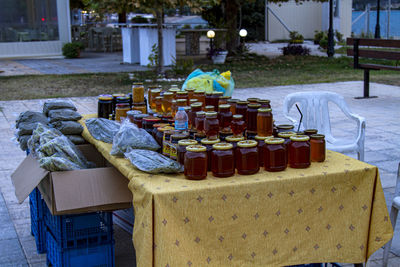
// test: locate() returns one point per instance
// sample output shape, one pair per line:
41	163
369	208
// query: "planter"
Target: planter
220	57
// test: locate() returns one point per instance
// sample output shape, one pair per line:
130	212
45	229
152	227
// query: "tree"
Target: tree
111	6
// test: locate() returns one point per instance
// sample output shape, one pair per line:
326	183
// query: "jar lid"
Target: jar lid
237	116
192	101
187	109
211	114
169	132
137	83
257	137
123	98
224	106
274	141
181	101
155	90
123	105
299	138
117	95
252	105
168	93
181	93
159	97
152	86
133	112
242	102
266	101
247	143
199	135
232	138
286	134
151	119
232	100
199	91
209	142
190	89
222	146
225	97
197	104
160	125
285	126
165	129
196	148
139	104
200	113
187	142
317	136
310	131
209	107
105	97
179	136
217	93
174	90
140	116
174	86
253	99
264	110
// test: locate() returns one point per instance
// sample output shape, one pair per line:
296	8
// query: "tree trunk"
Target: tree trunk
160	39
231	12
122	17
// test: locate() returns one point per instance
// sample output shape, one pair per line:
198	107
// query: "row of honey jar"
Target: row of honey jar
116	106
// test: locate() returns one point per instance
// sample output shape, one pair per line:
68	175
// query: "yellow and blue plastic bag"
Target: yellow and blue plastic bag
210	81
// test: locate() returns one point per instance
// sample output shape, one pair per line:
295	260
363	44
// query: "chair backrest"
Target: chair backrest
314	106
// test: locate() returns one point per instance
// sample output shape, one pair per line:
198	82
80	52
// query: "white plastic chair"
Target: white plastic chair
314	107
393	217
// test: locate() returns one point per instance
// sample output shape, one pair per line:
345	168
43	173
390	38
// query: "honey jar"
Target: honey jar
209	147
286	137
238	125
299	151
222	160
251	119
167	102
195	162
275	158
182	144
199	121
104	106
318	148
137	93
260	146
225	117
241	109
211	125
121	110
264	122
247	157
200	96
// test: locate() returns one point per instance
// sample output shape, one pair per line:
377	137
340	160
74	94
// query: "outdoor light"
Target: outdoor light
243	33
211	34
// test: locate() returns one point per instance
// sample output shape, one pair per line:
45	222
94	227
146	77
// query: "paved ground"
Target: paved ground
382	149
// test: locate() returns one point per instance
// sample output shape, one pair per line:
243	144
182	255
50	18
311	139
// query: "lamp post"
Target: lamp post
242	34
211	35
331	48
377	27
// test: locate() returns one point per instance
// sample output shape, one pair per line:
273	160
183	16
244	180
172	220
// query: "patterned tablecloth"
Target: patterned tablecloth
333	211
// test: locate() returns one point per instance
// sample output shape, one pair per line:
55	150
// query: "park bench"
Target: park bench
376	50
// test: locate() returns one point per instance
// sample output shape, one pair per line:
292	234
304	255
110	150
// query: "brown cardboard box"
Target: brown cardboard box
69	192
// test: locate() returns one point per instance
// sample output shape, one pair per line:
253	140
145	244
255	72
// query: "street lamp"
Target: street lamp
242	34
377	27
211	35
331	47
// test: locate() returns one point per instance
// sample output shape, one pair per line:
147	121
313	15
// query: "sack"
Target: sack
23	141
41	135
210	81
55	163
152	162
26	128
63	115
102	129
76	139
130	136
30	117
68	127
57	104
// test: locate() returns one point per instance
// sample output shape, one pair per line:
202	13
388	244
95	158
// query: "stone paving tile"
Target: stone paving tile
11	253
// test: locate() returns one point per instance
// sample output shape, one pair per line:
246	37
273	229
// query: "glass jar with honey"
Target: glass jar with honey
199	136
241	109
160	134
253	100
208	98
121	110
196	107
260	146
247	157
274	151
151	87
251	119
182	144
175	138
199	121
190	92
137	93
238	125
114	100
264	122
131	115
223	100
154	93
158	104
195	162
209	109
166	142
233	103
299	151
173	90
193	100
310	132
211	125
318	147
215	99
182	95
225	117
181	102
200	96
138	119
104	106
155	128
222	160
286	137
140	107
209	147
148	123
167	102
284	128
265	103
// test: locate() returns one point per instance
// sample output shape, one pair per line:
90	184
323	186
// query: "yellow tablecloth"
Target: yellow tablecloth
334	211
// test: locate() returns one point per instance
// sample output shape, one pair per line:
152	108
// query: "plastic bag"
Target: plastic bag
130	136
102	129
26	128
63	115
30	117
210	81
57	104
152	162
23	141
41	135
68	127
76	139
55	163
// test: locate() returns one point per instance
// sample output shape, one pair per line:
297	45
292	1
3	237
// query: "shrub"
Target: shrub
72	50
182	66
296	38
318	36
339	36
295	50
323	43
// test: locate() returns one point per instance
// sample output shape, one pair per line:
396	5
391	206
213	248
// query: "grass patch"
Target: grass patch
247	71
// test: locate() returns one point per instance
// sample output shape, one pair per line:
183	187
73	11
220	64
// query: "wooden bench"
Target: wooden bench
376	53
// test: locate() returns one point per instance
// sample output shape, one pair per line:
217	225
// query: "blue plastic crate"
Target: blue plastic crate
99	256
38	230
82	230
37	204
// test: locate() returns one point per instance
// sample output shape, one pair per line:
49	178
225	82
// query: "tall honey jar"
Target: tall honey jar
200	96
247	157
211	125
261	141
241	109
137	93
275	158
195	162
167	102
318	147
222	160
299	152
209	147
225	117
251	119
265	124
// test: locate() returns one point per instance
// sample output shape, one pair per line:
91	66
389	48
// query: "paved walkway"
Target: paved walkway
382	149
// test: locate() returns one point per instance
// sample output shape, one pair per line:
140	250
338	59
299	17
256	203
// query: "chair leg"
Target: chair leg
393	218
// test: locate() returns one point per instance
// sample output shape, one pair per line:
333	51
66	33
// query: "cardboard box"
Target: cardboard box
102	188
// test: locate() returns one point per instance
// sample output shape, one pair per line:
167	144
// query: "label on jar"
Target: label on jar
173	150
166	149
